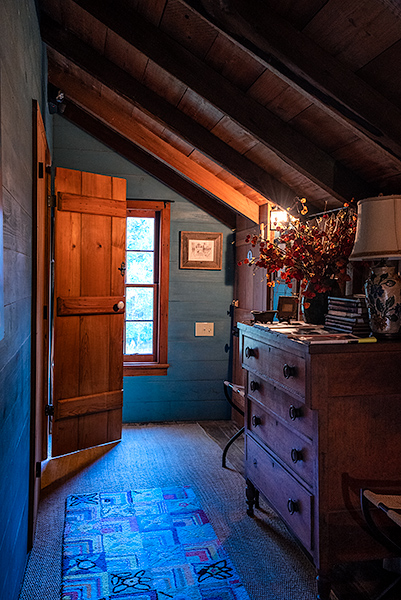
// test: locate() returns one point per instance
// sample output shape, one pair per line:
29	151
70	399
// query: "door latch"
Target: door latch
49	410
122	269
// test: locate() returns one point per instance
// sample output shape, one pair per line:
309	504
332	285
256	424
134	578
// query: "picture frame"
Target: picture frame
201	250
287	308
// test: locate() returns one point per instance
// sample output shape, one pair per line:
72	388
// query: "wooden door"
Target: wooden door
40	309
88	325
251	293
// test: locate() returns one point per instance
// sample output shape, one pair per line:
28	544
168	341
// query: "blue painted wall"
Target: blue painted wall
193	387
21	81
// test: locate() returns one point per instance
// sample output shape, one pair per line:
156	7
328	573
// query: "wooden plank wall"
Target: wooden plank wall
21	60
193	388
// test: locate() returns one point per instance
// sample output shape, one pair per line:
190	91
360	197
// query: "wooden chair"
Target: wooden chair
390	504
239	389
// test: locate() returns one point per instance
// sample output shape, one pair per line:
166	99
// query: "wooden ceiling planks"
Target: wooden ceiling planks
262	124
269	119
99	69
58	35
381	74
341	27
234	63
303	64
152	10
297	13
187	28
148	163
81	92
120	53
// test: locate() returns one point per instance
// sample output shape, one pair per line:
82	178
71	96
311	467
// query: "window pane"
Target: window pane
139	304
139	338
140	267
140	233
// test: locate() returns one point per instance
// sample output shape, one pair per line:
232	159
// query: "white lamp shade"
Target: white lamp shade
378	229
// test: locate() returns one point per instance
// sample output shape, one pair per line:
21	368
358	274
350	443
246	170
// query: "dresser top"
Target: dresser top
322	342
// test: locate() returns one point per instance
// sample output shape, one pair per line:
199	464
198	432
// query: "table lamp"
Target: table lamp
378	239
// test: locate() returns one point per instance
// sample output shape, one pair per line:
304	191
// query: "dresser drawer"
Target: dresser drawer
286	495
291	409
278	365
295	451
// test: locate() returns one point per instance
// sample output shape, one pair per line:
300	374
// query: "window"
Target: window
146	287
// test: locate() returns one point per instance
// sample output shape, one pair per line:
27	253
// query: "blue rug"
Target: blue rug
154	544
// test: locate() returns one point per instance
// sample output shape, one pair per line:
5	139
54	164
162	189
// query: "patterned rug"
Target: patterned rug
154	544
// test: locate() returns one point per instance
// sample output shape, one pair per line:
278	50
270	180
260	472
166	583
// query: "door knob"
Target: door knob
118	306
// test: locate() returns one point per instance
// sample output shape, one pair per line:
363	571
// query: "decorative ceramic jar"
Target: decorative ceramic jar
383	295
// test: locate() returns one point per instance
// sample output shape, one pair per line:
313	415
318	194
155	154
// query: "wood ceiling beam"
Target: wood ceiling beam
124	123
287	143
126	86
163	173
306	66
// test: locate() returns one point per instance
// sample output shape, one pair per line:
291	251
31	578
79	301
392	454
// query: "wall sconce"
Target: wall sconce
378	239
278	216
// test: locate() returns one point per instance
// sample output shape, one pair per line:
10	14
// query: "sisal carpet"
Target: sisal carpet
267	560
144	545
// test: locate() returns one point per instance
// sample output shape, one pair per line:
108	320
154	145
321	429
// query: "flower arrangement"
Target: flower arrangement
314	252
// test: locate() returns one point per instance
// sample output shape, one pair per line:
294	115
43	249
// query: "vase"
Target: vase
317	309
383	296
318	305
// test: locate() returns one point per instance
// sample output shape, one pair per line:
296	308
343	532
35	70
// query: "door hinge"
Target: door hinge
51	201
49	410
38	469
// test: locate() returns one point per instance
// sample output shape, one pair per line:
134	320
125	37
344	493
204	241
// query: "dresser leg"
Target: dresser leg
252	497
323	585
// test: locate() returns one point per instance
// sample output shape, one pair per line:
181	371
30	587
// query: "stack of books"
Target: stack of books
348	315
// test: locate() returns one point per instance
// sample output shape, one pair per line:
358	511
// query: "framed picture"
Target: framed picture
287	308
201	250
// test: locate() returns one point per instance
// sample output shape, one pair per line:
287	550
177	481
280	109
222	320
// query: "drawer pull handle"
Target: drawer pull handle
292	506
296	455
255	462
295	413
256	421
289	371
251	352
254	385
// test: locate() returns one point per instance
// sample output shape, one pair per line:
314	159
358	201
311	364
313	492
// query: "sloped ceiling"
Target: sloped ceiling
235	103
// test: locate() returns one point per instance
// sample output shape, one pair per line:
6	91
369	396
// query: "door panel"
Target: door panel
88	333
251	293
40	308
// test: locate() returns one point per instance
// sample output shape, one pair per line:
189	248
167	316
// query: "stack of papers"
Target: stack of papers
309	334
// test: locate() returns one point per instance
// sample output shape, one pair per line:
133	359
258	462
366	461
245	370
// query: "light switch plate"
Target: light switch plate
204	329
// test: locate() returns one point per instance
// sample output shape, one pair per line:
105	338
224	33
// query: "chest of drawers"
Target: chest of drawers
321	422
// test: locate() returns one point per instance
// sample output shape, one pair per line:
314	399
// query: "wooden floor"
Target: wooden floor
359	581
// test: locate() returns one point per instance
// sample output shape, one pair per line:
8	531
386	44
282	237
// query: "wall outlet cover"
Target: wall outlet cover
204	329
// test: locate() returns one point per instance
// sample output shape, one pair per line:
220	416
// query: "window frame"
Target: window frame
161	210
